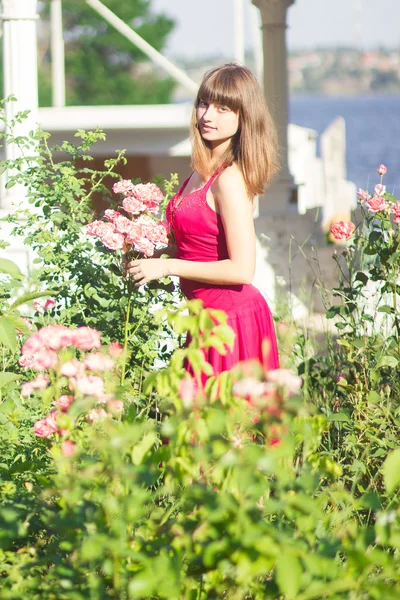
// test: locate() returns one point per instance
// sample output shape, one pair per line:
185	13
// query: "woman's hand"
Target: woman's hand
144	270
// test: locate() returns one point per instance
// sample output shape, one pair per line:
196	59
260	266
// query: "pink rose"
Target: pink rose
132	205
26	389
68	448
158	235
396	212
111	215
134	234
125	186
150	195
72	368
55	337
40	382
145	246
382	170
377	204
38	305
113	240
363	195
32	345
97	228
97	414
45	359
98	362
187	391
47	426
342	230
122	224
27	361
63	402
285	378
49	304
115	349
380	189
116	405
90	385
86	338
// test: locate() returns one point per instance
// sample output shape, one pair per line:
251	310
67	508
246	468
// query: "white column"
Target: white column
57	54
239	31
20	77
273	18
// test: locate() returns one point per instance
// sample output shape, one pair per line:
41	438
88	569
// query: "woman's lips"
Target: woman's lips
207	127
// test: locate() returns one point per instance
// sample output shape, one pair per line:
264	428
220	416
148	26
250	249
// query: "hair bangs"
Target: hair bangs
220	87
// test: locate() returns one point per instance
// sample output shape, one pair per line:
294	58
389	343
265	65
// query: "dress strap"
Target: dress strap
213	178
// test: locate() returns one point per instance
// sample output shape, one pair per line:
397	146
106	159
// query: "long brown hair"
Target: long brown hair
254	146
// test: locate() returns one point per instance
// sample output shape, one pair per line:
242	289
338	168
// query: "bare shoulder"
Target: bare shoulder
229	184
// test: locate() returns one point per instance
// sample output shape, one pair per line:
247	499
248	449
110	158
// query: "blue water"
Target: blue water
372	132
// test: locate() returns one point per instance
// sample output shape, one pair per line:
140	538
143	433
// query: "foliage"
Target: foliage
102	66
92	287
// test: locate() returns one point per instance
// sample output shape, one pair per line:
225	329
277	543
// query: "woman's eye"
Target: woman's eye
202	103
223	108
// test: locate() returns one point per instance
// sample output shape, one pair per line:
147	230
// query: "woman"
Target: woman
234	157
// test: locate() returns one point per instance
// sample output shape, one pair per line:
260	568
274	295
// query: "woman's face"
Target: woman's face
216	123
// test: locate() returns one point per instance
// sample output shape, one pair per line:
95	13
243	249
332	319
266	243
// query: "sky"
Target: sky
205	27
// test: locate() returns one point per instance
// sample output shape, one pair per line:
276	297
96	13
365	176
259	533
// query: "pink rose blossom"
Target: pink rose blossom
149	194
115	349
98	362
396	212
27	361
116	405
111	215
113	240
104	398
377	204
145	246
32	345
97	414
380	189
132	205
47	426
382	170
68	448
134	234
90	385
125	186
187	391
342	230
72	368
40	382
26	389
97	228
49	304
86	338
122	224
38	305
63	402
285	378
45	359
54	337
363	195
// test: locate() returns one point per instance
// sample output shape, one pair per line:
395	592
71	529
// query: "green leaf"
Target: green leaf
10	268
8	336
32	296
386	309
373	397
288	575
391	471
18	323
6	378
387	361
140	450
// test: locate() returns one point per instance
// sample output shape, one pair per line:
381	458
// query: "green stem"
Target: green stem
128	314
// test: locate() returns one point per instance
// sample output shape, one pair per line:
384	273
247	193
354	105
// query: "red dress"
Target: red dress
200	237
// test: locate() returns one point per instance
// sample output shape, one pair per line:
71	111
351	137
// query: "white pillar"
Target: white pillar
57	55
239	31
20	77
273	18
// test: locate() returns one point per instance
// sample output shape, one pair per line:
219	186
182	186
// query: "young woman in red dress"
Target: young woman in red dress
234	157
